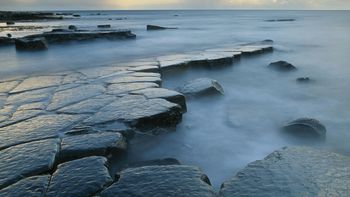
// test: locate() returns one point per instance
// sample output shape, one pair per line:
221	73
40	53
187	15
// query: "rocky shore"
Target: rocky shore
59	133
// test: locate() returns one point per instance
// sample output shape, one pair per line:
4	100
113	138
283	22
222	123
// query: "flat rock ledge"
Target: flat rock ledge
214	58
293	172
170	180
66	125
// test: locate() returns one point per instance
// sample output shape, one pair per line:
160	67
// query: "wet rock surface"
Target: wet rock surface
293	172
306	129
202	86
282	66
95	144
214	58
173	180
26	160
32	187
83	177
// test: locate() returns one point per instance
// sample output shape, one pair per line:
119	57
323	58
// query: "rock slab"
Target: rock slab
157	181
293	172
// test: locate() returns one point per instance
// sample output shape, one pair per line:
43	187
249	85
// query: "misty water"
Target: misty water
222	134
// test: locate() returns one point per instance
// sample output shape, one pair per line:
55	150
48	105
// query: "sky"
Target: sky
171	4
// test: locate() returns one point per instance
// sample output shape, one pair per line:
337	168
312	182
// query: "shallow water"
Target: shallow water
223	134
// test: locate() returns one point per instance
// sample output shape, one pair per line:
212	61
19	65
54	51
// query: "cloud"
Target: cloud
174	4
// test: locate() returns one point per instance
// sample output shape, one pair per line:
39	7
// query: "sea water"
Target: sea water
221	134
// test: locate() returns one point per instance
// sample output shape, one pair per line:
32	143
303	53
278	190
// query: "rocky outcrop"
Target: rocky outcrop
155	27
80	178
306	129
38	43
282	66
53	37
202	86
292	172
24	16
173	180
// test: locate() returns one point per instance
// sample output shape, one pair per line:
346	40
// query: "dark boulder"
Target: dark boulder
104	26
10	23
155	27
72	27
31	44
9	35
303	79
202	86
306	129
282	66
292	172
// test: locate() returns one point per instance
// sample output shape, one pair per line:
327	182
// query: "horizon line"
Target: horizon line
178	9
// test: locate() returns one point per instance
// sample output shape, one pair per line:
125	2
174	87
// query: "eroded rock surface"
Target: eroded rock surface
151	181
80	178
40	127
293	172
26	160
30	187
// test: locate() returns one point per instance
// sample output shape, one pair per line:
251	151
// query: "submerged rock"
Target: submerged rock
31	43
202	86
155	27
95	144
72	27
172	180
282	66
104	26
26	160
306	129
303	79
293	172
80	178
29	187
281	20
